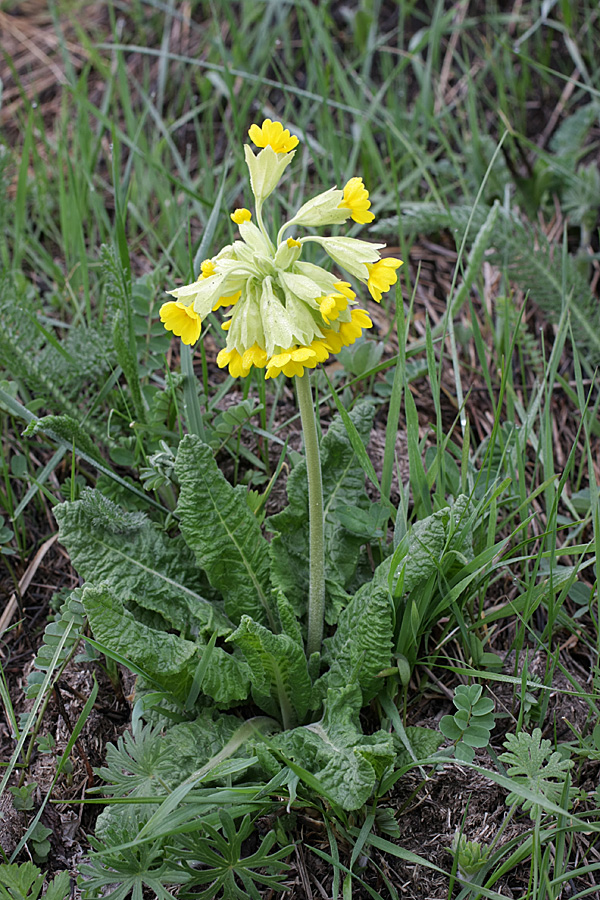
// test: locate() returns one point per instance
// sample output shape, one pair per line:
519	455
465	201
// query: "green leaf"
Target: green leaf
150	762
476	736
450	729
483	707
430	544
20	882
343	486
461	701
219	527
464	753
156	652
532	765
461	717
166	658
68	429
424	743
60	887
287	619
362	644
279	674
346	762
136	559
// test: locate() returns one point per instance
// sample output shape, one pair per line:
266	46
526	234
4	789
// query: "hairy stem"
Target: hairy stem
316	596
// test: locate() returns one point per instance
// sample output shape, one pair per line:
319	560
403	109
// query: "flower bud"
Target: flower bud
266	170
288	253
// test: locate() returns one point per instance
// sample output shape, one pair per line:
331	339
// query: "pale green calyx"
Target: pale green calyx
246	321
288	253
324	209
265	170
350	253
300	286
255	239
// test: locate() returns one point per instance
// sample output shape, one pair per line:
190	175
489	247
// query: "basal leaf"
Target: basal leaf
346	762
167	658
424	742
362	644
343	485
280	682
220	528
287	618
136	559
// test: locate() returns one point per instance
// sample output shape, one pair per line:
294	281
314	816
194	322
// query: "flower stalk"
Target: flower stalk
316	535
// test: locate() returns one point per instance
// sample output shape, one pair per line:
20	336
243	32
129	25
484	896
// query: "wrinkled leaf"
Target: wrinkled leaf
135	558
424	743
432	545
168	659
220	528
279	674
362	644
346	762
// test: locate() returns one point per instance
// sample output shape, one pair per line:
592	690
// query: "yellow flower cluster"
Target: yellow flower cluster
283	314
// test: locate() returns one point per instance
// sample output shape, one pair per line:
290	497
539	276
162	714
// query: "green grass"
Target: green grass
141	151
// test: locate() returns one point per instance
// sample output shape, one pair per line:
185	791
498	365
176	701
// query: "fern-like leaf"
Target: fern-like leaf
532	764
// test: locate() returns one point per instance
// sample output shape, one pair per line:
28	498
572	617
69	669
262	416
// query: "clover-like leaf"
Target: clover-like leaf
471	725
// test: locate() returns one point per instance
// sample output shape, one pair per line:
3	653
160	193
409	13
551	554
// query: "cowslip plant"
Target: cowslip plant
284	314
218	622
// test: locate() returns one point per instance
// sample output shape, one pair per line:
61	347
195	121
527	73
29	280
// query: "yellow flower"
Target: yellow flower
254	356
235	362
182	320
344	288
227	301
292	242
350	331
333	341
274	135
382	275
226	325
207	268
331	305
321	349
240	216
356	199
291	362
